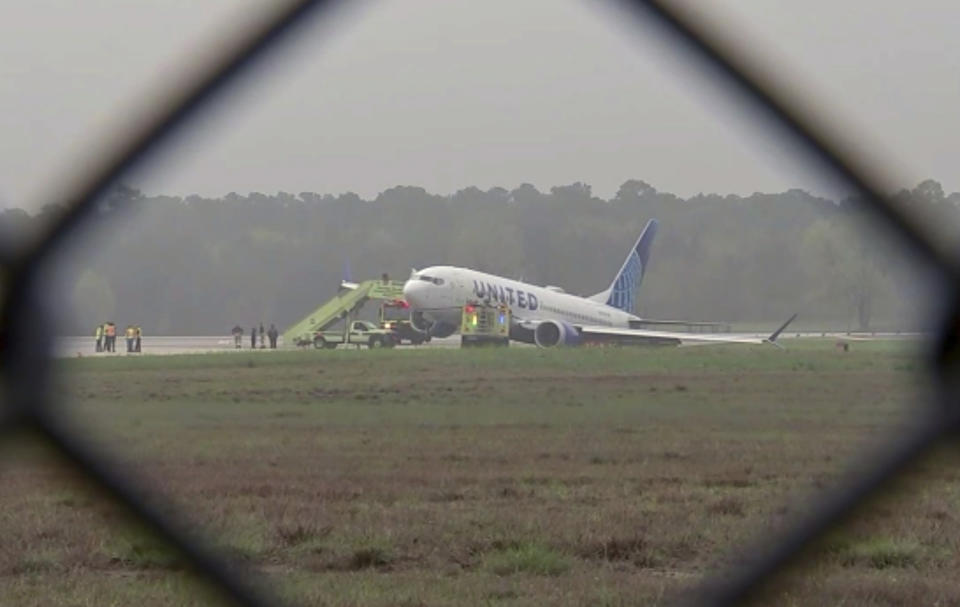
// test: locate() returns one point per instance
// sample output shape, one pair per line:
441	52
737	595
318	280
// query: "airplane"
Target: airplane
548	316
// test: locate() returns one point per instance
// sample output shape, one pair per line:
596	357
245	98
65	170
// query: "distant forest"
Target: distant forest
198	266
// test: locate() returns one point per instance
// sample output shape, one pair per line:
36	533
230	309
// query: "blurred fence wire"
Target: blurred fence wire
28	406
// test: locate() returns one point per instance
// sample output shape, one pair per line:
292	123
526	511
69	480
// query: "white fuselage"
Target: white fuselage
440	292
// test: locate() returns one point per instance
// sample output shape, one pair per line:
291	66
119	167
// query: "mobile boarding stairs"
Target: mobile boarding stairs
344	305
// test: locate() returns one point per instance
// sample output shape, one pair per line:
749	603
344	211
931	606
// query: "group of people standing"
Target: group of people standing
272	334
106	336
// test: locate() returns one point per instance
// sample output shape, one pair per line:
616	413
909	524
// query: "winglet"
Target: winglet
773	336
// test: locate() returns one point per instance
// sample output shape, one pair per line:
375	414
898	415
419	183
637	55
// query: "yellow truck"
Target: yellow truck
484	324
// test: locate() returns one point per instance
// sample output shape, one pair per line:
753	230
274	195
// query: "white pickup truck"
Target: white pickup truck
360	333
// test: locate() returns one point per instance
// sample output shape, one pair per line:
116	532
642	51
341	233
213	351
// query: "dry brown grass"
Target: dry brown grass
520	478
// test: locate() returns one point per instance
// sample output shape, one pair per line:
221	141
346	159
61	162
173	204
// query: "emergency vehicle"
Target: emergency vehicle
395	316
485	324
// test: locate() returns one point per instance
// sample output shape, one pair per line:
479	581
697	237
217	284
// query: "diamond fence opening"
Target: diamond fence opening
27	342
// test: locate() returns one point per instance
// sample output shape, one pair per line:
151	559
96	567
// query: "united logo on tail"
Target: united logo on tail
622	293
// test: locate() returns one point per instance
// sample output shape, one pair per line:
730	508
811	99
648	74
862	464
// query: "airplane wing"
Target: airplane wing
601	334
676	338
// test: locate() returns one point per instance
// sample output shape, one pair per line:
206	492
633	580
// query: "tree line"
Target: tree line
198	266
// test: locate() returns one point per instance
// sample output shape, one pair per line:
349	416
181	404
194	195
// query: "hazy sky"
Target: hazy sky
451	93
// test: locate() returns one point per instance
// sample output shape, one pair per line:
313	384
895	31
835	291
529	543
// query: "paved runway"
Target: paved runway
68	347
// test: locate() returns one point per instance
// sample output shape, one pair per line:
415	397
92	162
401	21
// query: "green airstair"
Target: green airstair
344	305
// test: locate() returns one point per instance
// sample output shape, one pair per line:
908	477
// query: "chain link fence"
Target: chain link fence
29	406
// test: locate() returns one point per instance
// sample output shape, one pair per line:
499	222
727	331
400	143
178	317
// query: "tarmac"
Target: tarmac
70	347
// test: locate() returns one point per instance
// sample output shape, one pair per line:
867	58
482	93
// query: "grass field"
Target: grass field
522	477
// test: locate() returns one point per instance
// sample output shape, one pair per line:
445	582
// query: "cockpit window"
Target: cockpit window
436	281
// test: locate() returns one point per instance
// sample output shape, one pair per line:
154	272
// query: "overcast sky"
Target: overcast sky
451	93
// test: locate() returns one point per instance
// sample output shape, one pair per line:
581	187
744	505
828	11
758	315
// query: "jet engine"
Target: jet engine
442	329
550	333
419	322
432	329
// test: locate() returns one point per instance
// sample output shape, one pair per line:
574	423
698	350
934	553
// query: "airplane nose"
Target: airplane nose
412	292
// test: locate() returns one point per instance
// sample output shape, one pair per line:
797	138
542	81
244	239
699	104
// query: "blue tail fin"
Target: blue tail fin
623	290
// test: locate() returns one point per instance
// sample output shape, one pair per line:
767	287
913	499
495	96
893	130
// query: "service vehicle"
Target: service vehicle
485	324
350	297
359	333
395	316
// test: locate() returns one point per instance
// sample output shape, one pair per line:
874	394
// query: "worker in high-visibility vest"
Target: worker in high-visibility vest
110	332
131	335
98	333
